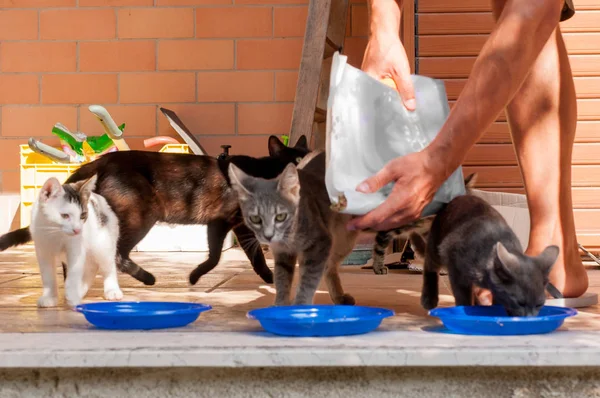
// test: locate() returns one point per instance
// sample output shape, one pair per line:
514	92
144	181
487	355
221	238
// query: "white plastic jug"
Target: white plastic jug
368	125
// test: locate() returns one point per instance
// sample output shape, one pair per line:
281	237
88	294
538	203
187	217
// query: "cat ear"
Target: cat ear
289	184
239	181
547	258
503	263
470	181
86	189
51	189
302	143
276	147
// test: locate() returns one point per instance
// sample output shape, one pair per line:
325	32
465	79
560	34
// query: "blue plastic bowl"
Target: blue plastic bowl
141	315
319	320
493	320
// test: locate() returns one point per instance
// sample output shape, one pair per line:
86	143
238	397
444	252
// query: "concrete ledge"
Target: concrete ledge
95	349
301	382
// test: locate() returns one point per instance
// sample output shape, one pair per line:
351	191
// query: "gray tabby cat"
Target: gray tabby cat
291	214
420	226
479	248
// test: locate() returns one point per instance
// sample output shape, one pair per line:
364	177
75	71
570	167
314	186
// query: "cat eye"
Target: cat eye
83	216
65	216
280	217
298	160
255	219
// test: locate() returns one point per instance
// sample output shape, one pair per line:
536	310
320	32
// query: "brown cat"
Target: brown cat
145	187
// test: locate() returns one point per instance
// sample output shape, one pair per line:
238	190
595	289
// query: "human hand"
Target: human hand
417	178
385	58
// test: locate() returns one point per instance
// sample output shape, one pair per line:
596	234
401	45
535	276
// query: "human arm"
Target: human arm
385	56
503	64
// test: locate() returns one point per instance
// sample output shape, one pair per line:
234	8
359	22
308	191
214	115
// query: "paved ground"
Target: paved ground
232	289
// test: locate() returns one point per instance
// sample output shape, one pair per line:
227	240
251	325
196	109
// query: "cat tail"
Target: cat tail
15	238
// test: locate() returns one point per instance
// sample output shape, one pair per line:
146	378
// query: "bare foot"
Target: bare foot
568	274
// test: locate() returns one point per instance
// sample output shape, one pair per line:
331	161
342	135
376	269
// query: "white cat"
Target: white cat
70	221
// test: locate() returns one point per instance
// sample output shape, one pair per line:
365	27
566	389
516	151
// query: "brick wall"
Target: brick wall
227	67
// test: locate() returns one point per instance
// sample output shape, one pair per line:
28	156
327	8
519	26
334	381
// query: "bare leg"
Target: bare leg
542	118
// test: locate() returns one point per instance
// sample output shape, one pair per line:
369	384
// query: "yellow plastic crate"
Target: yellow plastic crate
36	169
175	148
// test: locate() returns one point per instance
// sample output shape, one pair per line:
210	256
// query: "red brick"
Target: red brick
18	25
19	89
115	3
234	22
264	2
148	23
285	86
360	20
9	154
77	24
79	89
195	54
139	120
36	3
117	56
192	2
251	145
235	86
38	56
11	182
354	48
201	119
269	54
157	87
36	121
290	21
264	118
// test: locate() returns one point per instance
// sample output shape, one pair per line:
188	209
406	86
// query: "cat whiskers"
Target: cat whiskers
48	230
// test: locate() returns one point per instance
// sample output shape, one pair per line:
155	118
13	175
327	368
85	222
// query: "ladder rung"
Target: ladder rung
320	115
332	47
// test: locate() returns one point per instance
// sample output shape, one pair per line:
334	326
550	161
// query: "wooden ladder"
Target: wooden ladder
325	32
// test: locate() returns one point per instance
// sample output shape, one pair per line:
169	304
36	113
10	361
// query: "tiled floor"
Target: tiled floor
232	289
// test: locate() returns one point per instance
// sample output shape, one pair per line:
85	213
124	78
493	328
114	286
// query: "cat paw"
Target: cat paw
73	299
347	300
429	303
72	302
47	301
383	270
113	295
